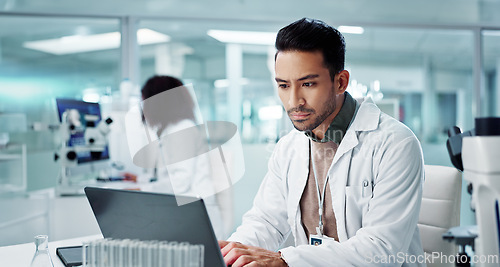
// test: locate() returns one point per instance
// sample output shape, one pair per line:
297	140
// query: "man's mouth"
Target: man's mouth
299	116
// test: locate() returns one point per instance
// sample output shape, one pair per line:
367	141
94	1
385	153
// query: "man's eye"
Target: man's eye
307	84
282	86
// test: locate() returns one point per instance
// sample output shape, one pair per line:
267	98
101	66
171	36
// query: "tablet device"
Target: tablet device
70	256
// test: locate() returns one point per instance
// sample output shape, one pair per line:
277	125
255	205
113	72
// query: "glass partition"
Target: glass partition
46	57
43	58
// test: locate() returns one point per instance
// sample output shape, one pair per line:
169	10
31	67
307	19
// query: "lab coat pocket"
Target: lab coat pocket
356	204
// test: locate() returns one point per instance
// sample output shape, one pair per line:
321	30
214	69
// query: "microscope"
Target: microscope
81	139
477	154
96	135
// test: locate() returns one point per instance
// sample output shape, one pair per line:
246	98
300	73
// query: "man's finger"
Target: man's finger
243	261
231	245
223	243
253	264
234	254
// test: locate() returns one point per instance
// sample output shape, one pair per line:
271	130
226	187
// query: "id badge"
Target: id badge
315	240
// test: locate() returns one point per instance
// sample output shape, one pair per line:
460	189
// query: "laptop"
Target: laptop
140	215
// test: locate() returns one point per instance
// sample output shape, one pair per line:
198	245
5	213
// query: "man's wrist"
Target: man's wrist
283	259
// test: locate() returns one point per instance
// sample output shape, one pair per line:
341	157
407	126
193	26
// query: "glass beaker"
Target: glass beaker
42	256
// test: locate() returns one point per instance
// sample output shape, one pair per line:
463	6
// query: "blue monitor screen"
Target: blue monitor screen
77	136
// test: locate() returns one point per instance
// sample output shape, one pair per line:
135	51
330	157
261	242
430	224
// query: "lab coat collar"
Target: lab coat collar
367	118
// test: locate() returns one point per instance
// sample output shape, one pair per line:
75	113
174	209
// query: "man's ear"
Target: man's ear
343	79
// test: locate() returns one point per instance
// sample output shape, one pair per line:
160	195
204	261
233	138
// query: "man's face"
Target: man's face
305	88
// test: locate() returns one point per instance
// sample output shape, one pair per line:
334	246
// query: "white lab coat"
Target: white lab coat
376	180
190	177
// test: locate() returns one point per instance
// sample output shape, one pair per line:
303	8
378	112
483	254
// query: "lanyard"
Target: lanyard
321	199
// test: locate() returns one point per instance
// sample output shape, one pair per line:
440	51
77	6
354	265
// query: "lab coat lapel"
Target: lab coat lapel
339	170
366	119
301	171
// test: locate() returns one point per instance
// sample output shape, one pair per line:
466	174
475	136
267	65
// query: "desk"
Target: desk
21	255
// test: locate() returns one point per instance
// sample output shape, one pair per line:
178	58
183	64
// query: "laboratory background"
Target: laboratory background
430	64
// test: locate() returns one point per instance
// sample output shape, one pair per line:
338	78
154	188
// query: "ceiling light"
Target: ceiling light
491	32
243	37
351	29
96	42
222	83
147	36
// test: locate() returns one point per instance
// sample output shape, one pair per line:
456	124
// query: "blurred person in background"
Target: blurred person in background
168	108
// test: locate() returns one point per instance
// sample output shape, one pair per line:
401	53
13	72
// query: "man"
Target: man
347	183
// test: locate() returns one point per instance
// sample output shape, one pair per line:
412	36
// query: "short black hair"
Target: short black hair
166	109
158	84
311	35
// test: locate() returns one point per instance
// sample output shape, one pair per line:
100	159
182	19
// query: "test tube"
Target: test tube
145	254
123	253
85	255
93	253
196	255
136	254
164	255
154	248
172	251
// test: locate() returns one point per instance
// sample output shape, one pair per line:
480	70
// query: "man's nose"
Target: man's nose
296	98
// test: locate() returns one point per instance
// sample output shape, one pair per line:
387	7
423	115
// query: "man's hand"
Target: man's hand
237	254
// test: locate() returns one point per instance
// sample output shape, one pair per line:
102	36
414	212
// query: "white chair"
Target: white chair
440	209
